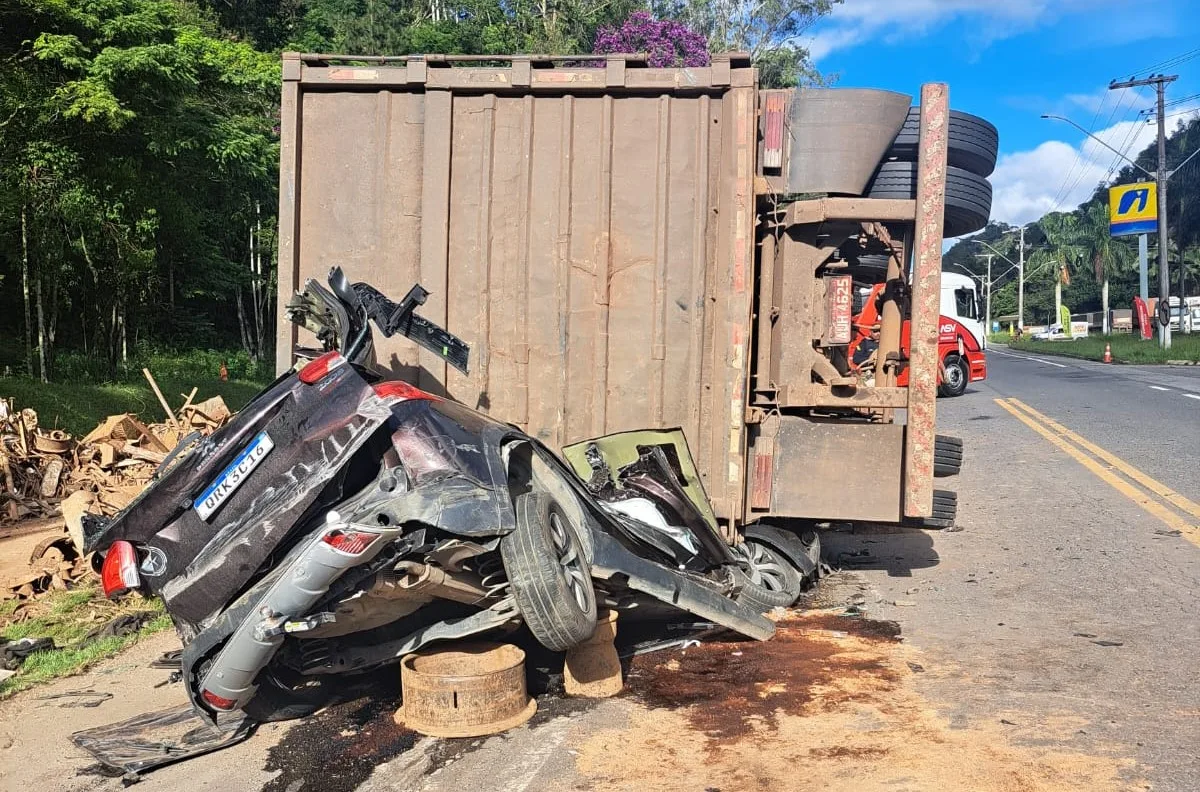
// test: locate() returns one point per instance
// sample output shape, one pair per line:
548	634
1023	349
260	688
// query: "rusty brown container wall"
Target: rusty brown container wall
588	231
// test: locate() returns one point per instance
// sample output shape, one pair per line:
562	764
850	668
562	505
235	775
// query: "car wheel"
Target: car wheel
770	581
957	375
550	577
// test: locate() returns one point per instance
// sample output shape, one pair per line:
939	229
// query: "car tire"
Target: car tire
972	142
769	579
957	375
968	196
549	574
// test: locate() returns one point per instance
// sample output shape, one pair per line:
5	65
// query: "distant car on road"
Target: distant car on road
1054	333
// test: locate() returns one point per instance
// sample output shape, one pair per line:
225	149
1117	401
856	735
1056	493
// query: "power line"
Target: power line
1181	100
1061	192
1169	63
1107	125
1126	145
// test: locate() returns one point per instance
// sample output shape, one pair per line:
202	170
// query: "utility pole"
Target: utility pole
1159	81
1021	282
1143	266
987	328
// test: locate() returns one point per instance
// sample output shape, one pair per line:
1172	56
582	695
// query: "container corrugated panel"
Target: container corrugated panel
587	231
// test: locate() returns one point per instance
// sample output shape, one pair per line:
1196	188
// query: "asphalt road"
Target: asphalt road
1150	415
1067	604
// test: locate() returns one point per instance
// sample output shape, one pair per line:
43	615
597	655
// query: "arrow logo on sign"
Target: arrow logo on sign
1141	196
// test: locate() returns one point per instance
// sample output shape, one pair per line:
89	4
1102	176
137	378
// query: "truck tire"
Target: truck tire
947	456
968	196
945	512
945	509
550	577
868	268
972	142
770	579
958	375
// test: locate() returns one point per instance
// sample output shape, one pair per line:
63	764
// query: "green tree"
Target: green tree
139	134
1110	258
767	29
1058	256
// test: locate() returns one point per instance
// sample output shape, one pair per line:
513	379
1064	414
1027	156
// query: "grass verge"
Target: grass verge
78	406
67	617
1126	348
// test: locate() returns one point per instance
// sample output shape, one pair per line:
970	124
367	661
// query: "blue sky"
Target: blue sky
1012	60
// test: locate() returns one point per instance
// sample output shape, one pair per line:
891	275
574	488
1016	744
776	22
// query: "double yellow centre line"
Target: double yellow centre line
1154	497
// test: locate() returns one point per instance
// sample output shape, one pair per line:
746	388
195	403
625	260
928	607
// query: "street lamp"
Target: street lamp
1098	140
1020	265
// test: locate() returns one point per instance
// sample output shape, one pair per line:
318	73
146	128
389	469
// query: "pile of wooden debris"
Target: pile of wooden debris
47	473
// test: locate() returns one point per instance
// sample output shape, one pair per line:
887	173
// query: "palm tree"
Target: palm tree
1110	257
1062	250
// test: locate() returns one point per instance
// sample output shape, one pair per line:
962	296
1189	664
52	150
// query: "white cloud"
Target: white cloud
859	21
1058	176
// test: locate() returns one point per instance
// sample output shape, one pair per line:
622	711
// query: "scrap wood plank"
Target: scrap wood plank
161	399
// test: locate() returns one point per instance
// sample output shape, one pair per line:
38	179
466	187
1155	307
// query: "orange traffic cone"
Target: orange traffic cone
1108	353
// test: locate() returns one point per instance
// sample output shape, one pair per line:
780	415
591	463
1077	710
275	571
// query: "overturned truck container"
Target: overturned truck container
621	248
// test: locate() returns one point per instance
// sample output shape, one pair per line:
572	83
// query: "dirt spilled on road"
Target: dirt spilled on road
732	689
827	704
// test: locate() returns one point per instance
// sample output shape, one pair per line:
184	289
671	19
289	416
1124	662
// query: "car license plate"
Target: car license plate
232	477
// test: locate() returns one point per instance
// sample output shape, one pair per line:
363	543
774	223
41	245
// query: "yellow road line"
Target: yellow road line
1149	505
1158	488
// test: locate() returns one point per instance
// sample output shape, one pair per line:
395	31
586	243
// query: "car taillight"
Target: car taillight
349	542
120	571
402	391
317	369
217	702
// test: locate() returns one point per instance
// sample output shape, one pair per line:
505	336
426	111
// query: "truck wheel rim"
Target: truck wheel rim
954	376
568	558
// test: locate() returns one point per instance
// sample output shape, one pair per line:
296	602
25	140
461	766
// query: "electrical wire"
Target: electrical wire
1107	125
1061	192
1169	63
1126	144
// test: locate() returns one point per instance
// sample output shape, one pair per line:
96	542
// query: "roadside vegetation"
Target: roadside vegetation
1126	348
1074	253
68	617
85	394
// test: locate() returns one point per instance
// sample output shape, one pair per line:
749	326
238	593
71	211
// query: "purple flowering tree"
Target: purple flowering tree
665	43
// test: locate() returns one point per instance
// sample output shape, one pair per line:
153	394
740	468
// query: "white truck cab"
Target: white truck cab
960	302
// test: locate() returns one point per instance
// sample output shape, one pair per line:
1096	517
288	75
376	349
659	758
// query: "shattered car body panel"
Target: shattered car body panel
453	459
373	523
315	431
